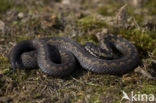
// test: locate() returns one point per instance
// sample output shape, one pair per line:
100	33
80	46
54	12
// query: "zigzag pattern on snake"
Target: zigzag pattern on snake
57	56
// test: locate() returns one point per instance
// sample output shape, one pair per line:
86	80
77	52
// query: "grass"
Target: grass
90	22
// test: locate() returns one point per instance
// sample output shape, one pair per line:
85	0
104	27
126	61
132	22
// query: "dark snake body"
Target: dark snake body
69	50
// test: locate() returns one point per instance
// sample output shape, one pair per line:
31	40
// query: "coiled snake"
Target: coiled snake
57	56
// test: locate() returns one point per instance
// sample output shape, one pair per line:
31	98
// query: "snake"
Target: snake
59	56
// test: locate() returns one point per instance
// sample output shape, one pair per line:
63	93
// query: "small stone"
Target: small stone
20	15
65	1
104	30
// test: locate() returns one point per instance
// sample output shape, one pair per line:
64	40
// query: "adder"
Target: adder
58	56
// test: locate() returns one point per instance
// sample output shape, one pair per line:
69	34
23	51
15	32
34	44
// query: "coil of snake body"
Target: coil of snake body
57	56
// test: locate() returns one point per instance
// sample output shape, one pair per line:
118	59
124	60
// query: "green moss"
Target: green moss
90	22
5	5
96	100
151	6
145	41
83	39
4	65
154	52
139	18
21	38
148	89
3	59
103	11
107	10
21	8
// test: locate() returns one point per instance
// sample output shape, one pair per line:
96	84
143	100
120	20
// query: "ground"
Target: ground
83	21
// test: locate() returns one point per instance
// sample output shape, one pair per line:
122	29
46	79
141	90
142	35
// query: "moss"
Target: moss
84	38
94	87
139	18
145	41
107	10
154	52
4	65
151	6
90	22
21	38
103	11
5	5
149	89
21	8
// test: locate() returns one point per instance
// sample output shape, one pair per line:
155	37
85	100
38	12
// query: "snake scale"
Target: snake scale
58	56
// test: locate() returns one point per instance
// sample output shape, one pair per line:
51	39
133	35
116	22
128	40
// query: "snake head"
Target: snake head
98	52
